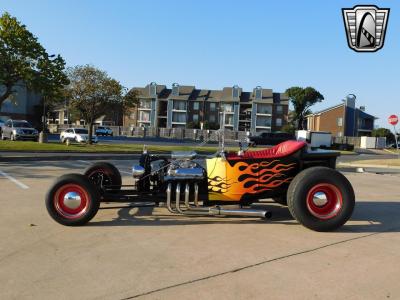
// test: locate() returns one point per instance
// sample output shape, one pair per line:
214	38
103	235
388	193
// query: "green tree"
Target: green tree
93	93
384	132
289	128
302	99
23	59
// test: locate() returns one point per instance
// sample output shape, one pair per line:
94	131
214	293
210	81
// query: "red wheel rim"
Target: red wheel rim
324	201
71	201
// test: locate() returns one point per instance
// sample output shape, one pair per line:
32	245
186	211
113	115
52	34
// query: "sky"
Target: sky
213	44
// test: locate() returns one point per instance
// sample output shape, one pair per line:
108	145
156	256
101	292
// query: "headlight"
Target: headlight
35	131
18	131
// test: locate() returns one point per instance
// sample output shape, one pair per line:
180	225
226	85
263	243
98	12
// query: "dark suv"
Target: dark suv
270	138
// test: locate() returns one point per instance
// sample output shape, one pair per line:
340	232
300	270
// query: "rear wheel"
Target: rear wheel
321	199
103	174
72	200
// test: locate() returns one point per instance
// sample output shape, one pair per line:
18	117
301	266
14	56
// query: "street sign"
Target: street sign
393	120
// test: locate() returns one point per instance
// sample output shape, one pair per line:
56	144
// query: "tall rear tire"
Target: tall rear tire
104	174
321	199
72	200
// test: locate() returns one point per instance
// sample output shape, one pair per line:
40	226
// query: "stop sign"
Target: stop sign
393	120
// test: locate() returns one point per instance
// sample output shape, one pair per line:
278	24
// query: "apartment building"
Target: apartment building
344	119
184	106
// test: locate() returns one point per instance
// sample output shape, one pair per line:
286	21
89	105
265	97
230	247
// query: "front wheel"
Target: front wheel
103	174
72	200
321	199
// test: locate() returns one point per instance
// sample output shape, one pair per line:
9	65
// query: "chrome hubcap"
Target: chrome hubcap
320	199
72	200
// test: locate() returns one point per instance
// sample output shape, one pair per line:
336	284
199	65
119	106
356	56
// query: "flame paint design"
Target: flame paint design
228	182
218	184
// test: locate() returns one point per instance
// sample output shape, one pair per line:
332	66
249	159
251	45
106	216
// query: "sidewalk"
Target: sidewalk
355	164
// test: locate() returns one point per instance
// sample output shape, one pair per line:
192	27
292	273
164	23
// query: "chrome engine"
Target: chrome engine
184	169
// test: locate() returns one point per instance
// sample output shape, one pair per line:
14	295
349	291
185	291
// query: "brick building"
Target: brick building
186	106
342	120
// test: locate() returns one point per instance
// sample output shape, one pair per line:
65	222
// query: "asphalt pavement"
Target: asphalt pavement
147	253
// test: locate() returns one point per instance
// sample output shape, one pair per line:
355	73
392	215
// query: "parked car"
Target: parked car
269	138
80	135
393	146
101	130
1	126
18	130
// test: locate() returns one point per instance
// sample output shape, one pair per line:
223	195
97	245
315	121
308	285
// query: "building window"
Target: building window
279	109
179	105
229	120
212	119
339	134
228	107
195	118
132	116
196	105
263	121
278	122
213	106
144	116
264	109
145	104
340	122
179	117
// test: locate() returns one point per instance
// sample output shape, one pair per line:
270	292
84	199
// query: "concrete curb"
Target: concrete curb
356	165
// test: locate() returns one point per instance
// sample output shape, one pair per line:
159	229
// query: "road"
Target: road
146	253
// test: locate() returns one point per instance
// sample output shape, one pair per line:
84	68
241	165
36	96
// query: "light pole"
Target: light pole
43	135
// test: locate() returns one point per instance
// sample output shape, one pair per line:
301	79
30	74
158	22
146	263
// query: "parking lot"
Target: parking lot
127	252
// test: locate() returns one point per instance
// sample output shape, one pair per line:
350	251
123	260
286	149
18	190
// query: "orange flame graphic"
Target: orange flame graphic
232	182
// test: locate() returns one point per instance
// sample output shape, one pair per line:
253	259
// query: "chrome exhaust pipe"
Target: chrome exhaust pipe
187	192
169	188
196	194
244	212
210	211
178	198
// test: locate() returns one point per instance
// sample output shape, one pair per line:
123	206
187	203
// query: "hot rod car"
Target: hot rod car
317	196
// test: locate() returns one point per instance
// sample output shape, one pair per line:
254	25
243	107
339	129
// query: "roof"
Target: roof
325	110
361	113
266	94
189	92
227	94
185	92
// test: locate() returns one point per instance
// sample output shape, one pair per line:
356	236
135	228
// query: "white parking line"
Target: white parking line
125	172
17	182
